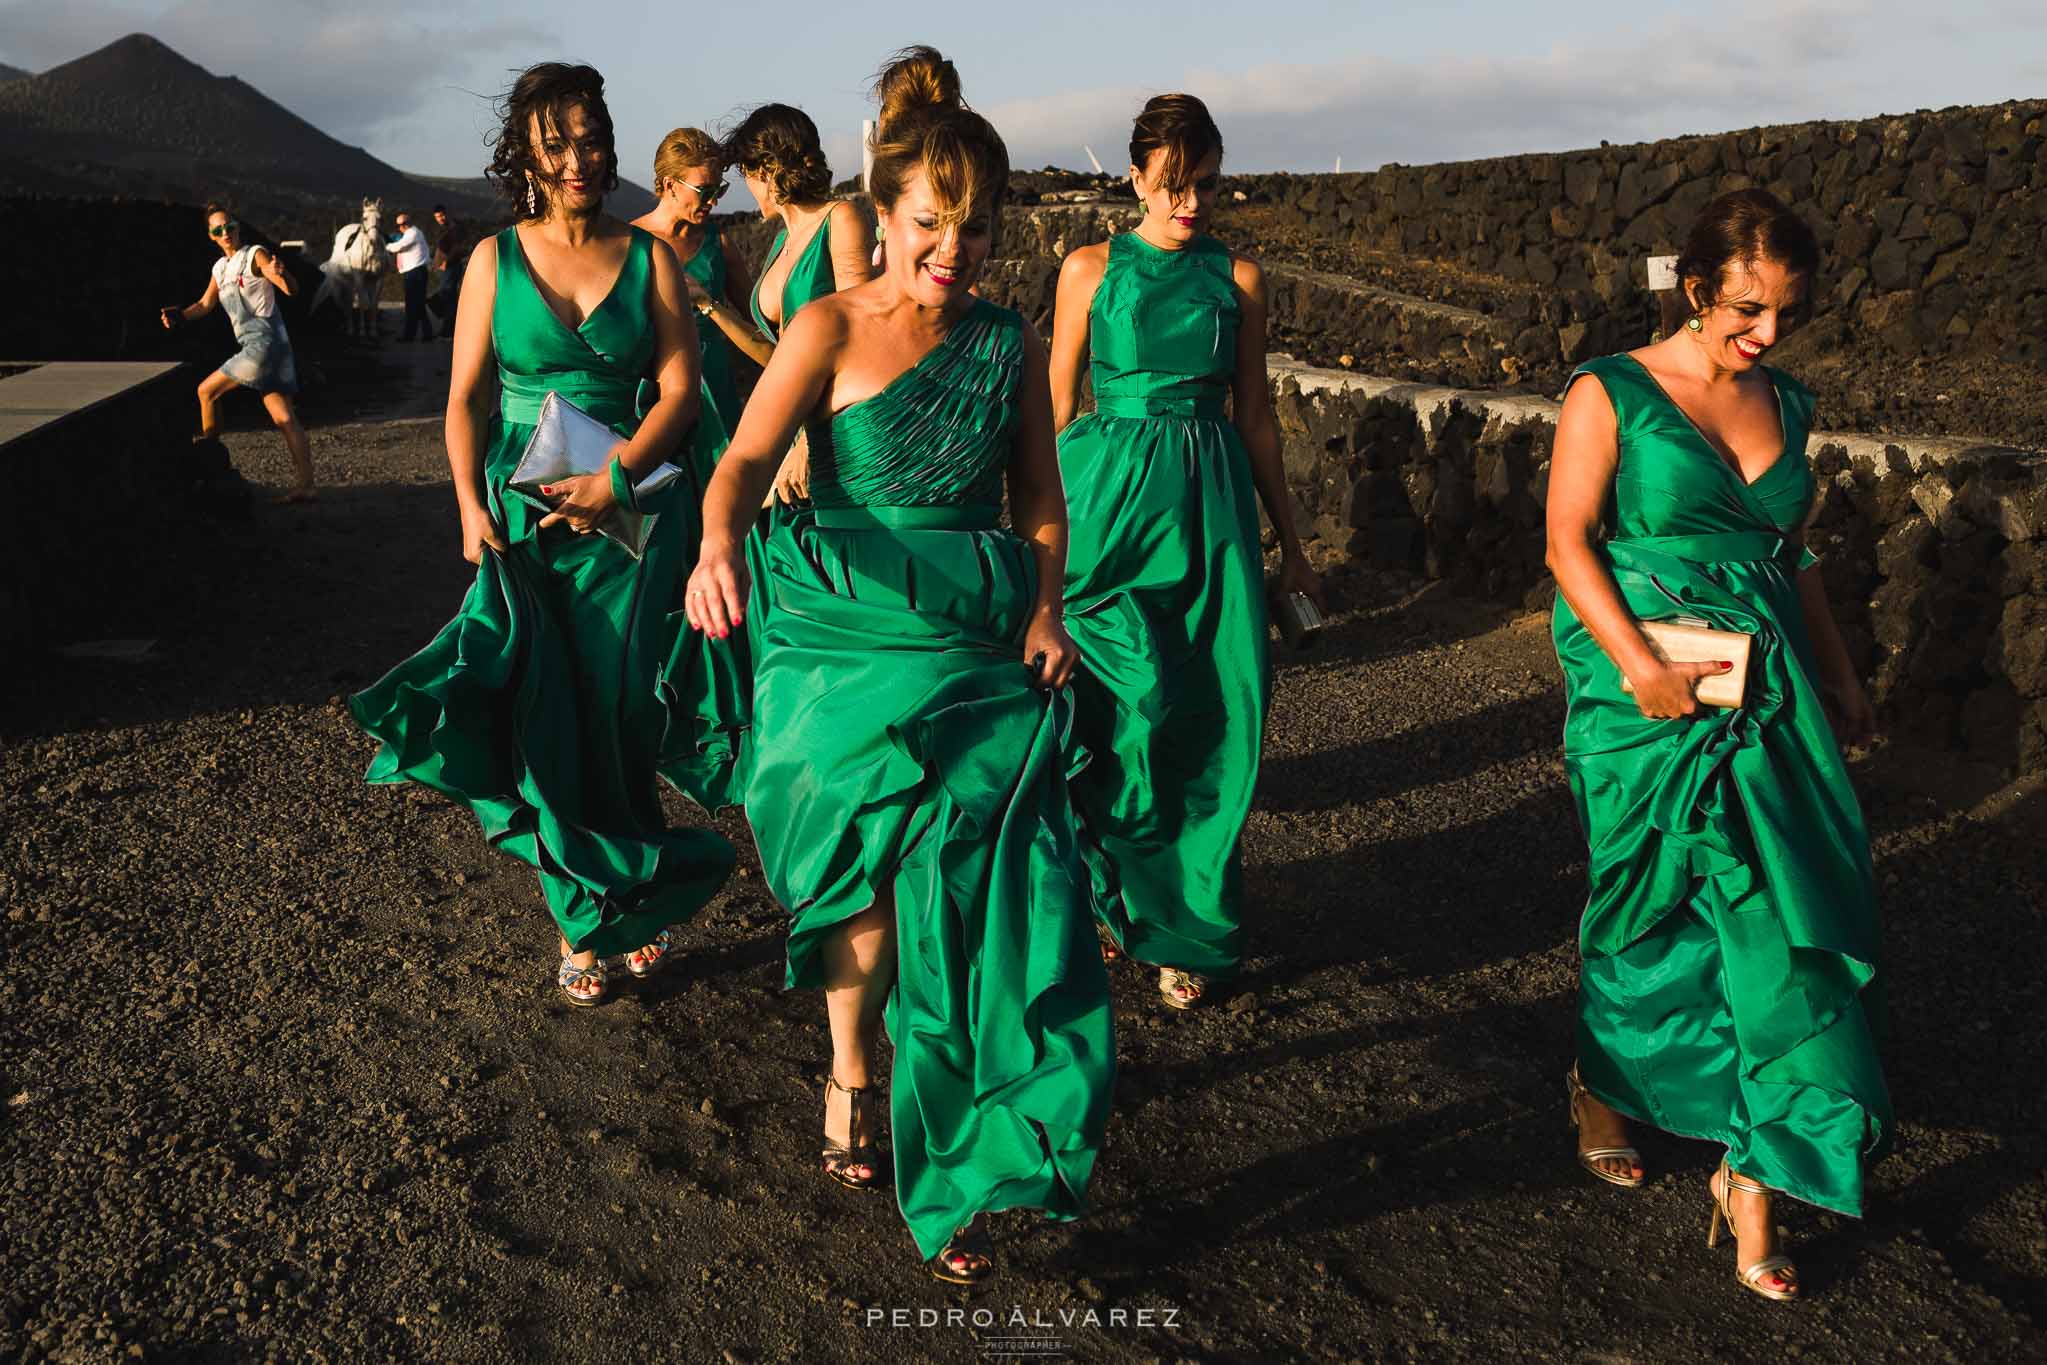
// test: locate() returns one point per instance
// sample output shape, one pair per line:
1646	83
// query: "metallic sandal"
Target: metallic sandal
968	1258
838	1157
1590	1157
1724	1183
663	950
569	976
1181	990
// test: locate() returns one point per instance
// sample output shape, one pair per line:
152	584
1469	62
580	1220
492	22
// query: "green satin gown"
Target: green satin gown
543	704
810	277
711	680
1165	597
1730	934
914	759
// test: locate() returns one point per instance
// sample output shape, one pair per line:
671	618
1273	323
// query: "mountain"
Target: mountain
137	119
10	73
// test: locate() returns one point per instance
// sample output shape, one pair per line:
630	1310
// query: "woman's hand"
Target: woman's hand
478	531
1670	691
586	499
699	297
171	317
1049	652
792	480
1853	718
1295	575
716	598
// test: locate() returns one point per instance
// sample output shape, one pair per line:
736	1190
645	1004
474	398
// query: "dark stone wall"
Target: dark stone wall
1931	225
1934	550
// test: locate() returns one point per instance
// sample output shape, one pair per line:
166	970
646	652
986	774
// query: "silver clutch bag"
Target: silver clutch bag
568	441
1299	620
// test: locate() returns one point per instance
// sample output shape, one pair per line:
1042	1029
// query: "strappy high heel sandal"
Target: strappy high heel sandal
1751	1276
1590	1157
968	1258
840	1157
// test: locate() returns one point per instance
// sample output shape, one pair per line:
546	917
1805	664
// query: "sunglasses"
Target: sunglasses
222	229
708	194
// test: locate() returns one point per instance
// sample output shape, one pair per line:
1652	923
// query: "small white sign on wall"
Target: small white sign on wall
1662	273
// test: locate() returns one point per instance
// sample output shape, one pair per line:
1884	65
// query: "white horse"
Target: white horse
356	268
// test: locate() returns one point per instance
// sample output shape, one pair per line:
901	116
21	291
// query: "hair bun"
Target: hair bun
917	79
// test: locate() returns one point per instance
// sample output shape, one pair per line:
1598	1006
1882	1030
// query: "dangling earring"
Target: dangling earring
875	260
1695	323
532	197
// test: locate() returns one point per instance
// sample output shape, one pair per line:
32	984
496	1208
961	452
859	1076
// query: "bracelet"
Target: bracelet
622	486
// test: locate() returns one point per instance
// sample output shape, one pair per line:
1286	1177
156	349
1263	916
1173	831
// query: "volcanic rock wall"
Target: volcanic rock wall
1934	550
1931	224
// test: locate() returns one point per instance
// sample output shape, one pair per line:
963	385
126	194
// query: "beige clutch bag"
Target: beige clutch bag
1688	640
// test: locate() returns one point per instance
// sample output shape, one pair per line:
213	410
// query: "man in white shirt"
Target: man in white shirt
409	250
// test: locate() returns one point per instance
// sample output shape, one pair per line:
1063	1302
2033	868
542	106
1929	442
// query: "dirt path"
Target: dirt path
286	1076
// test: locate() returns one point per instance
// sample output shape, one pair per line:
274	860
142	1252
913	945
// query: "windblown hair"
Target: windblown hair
925	124
779	143
1180	126
1738	228
685	149
214	206
549	91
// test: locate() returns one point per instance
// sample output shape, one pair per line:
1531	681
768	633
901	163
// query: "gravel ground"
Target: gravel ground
286	1076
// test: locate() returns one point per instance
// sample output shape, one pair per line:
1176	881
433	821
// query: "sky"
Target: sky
1294	84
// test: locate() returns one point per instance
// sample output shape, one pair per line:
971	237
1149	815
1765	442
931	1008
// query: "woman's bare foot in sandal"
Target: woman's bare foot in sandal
968	1257
1181	990
1603	1147
581	977
1743	1204
850	1154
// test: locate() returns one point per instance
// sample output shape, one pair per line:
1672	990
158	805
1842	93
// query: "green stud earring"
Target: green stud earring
1696	323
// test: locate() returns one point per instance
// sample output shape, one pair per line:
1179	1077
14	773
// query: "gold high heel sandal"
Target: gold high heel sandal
1590	1157
1724	1183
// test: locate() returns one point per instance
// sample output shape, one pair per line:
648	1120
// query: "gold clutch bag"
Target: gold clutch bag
1688	640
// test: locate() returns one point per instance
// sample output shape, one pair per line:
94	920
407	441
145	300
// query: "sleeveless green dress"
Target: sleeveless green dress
1165	596
913	758
810	277
711	680
542	705
1730	934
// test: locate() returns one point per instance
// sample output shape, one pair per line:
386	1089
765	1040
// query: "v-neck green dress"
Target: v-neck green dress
1730	934
914	760
810	277
543	705
1165	597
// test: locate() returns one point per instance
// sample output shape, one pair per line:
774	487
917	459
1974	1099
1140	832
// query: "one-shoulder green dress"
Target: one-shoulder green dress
1165	597
1730	934
543	705
914	759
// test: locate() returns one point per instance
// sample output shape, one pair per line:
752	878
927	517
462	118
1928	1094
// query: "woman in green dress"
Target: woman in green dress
541	704
1164	576
711	679
913	811
1730	935
823	244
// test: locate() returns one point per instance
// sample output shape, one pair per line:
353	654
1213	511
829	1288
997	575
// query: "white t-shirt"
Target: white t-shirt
410	249
244	291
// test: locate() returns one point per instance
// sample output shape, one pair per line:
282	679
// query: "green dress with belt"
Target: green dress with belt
1165	597
1730	934
915	760
543	704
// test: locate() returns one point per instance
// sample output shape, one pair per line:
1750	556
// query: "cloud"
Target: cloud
357	69
1752	64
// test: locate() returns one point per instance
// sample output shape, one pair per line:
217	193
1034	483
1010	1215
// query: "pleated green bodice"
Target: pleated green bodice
1730	931
938	436
1165	597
